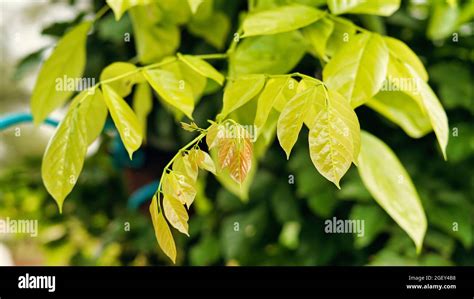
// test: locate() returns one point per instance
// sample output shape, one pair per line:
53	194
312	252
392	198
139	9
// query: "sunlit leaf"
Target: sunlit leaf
119	7
378	7
67	62
400	50
125	120
162	230
358	70
176	214
202	67
142	105
213	29
281	19
317	34
241	90
391	186
180	186
122	86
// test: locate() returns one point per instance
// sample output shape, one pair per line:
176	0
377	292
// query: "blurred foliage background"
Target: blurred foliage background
282	222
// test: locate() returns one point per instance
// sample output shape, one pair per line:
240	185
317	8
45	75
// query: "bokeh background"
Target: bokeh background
281	223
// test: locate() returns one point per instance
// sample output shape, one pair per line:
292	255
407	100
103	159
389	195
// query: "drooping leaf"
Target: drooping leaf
281	19
276	90
378	7
400	50
358	70
317	34
443	20
142	105
122	86
391	186
119	7
162	230
172	90
203	160
241	90
292	118
125	120
180	186
202	67
66	151
241	161
176	214
67	62
153	41
334	136
187	165
403	110
252	54
213	29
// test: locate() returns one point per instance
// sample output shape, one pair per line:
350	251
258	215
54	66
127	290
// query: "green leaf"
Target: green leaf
194	5
279	89
142	105
443	20
180	186
402	110
402	52
292	117
153	41
317	34
391	186
66	151
162	231
203	160
66	62
241	90
334	137
379	7
173	90
342	33
119	7
122	86
281	19
252	54
213	29
125	120
176	214
202	67
358	70
425	97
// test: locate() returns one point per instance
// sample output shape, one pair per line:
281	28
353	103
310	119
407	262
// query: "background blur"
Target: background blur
281	223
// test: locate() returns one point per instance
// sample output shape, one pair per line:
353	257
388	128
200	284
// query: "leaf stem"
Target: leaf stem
101	12
213	56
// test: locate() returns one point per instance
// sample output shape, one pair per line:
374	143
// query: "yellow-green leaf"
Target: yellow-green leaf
125	120
202	67
180	186
203	160
402	110
64	156
119	7
373	7
292	118
194	5
400	50
142	105
277	90
172	90
280	19
122	86
317	34
241	90
162	231
176	214
213	29
186	165
391	186
334	138
358	69
67	62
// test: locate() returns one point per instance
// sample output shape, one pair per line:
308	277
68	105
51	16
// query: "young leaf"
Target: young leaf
317	34
342	33
334	138
66	151
280	19
125	120
241	90
176	214
180	186
251	55
358	70
403	53
279	89
172	90
162	231
119	7
202	67
379	7
203	160
142	105
391	186
292	117
402	110
186	165
66	62
122	86
241	161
